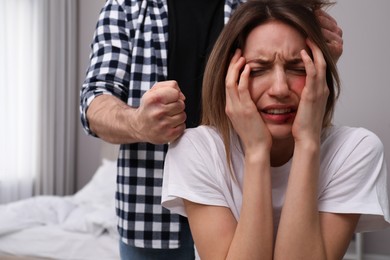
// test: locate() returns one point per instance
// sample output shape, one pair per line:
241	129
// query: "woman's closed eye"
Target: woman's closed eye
301	71
258	71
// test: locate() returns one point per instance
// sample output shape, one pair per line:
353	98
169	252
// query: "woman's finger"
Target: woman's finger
243	90
318	59
232	77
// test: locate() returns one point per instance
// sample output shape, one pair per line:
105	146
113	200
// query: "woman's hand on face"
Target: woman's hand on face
240	107
309	119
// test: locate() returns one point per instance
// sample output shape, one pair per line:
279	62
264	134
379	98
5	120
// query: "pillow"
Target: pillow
101	188
93	219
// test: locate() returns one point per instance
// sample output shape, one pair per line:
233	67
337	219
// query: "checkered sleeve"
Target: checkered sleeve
110	58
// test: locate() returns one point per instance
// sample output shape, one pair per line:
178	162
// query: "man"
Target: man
142	89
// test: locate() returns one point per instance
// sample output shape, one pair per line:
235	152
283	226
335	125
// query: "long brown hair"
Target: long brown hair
297	13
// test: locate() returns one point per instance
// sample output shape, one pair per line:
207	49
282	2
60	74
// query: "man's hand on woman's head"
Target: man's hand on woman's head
332	33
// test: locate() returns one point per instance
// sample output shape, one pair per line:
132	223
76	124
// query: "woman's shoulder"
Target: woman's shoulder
202	139
348	133
346	137
201	134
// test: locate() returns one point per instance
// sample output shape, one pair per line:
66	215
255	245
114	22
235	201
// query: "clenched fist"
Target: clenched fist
160	116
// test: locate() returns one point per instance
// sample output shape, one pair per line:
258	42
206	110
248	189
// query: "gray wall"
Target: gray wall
364	69
89	148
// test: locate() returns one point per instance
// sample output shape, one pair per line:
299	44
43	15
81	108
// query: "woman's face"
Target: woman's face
277	77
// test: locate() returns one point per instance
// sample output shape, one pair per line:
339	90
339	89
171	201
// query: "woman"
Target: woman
267	176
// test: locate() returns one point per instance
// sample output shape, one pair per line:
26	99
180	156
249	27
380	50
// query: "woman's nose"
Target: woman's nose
279	86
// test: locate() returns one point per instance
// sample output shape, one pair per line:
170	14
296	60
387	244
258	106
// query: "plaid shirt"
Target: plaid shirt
128	56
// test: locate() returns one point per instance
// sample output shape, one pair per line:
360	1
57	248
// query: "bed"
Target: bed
77	227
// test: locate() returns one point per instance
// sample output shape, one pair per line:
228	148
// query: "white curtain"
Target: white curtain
38	98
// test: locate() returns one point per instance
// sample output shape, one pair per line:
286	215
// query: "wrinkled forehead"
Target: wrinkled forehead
274	40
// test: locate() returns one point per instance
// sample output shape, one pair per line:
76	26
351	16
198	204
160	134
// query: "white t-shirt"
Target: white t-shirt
353	176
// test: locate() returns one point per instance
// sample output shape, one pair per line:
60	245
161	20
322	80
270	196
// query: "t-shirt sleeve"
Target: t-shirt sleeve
191	172
360	183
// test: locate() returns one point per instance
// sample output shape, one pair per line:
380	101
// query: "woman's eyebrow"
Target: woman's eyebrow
294	60
260	61
263	61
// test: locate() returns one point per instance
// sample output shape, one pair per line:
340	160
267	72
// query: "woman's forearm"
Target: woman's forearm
299	234
253	238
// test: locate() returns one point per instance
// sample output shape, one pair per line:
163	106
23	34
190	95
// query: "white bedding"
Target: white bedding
82	226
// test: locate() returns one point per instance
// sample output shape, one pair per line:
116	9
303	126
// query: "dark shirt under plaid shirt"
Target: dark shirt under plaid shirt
128	56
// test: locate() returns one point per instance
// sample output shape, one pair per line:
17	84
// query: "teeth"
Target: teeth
278	111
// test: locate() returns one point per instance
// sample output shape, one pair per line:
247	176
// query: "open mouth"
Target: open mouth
278	111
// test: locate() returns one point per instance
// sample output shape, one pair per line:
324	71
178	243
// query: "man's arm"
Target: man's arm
159	119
